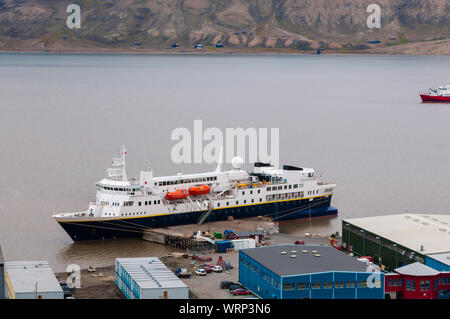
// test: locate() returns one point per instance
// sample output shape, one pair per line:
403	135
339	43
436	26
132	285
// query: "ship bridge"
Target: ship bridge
266	172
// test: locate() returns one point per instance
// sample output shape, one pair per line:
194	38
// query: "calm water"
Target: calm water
357	120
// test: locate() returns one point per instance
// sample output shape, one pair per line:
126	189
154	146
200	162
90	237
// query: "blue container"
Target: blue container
223	245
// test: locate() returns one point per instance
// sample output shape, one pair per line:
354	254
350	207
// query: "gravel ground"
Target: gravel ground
94	286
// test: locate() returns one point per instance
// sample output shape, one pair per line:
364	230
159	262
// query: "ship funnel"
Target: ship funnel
146	178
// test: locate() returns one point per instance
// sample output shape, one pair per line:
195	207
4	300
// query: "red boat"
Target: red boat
199	190
178	194
441	95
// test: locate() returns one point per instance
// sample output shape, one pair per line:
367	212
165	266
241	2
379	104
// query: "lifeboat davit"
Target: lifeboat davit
178	194
199	190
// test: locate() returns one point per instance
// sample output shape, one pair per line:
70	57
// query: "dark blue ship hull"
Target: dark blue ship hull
135	226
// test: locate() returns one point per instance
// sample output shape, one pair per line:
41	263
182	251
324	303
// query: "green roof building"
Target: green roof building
398	240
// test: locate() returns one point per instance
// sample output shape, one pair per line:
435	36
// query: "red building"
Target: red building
417	281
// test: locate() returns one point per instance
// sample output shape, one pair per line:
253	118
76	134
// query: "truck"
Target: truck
182	273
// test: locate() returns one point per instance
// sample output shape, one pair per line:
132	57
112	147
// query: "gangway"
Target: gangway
199	236
206	214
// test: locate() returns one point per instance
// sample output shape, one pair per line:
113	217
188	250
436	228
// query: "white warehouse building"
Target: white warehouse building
31	280
148	278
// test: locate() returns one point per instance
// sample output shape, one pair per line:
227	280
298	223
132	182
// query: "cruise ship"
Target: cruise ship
127	208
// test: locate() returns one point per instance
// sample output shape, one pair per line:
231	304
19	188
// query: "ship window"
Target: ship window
280	187
295	185
218	204
154	202
159	201
243	193
260	199
139	203
237	202
285	186
269	189
228	203
259	191
251	192
253	200
245	201
290	186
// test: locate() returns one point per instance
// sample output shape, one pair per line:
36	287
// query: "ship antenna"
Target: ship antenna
124	166
220	160
119	171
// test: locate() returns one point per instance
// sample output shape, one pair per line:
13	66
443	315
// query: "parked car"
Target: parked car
235	286
226	284
207	269
200	272
217	269
299	242
240	291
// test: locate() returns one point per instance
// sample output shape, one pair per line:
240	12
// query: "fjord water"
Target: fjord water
357	120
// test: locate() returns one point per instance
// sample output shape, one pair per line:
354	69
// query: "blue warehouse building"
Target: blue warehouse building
307	272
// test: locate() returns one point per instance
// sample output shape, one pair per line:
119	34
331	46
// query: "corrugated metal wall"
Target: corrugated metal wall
364	243
258	278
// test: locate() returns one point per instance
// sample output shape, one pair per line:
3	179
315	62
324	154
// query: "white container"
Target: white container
31	280
246	243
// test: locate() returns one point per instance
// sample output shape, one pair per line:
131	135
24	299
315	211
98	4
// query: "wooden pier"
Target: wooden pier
181	236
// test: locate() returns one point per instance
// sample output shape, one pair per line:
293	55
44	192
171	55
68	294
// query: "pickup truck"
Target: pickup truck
182	273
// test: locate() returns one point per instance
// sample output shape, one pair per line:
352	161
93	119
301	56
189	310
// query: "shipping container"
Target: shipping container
239	244
223	245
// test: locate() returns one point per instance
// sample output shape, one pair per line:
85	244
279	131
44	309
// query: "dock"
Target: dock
181	236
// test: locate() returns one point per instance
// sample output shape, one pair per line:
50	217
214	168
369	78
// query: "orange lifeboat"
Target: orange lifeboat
199	190
178	194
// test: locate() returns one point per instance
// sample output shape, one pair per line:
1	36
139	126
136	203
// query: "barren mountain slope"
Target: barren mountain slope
258	25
